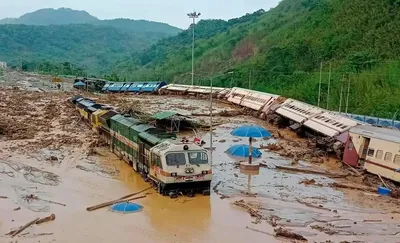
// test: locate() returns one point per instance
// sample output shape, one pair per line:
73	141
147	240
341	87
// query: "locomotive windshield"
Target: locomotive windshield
198	158
175	159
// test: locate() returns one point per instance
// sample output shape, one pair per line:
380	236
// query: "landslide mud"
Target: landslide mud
46	151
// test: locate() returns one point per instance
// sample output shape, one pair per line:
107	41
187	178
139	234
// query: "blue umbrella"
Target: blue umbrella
242	150
126	207
251	132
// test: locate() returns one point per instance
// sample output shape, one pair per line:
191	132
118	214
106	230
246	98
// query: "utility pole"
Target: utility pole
193	16
329	86
211	121
250	80
320	83
341	95
348	94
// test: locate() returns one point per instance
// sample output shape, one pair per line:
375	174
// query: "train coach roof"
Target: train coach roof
386	134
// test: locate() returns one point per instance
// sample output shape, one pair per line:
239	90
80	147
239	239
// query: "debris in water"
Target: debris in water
312	205
22	228
253	212
46	219
288	234
307	182
16	209
3	197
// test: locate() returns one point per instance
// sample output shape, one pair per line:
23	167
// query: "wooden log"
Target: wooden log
380	177
347	186
309	171
134	194
22	228
62	204
3	197
312	205
102	205
46	219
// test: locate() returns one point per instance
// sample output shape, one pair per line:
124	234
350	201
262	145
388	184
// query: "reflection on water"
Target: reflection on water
185	217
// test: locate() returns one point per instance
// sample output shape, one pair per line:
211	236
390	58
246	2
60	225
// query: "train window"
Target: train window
371	152
397	159
198	158
175	159
379	154
388	157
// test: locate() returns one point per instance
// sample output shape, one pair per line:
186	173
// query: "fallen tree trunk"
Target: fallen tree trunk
46	219
102	205
134	194
347	186
312	205
288	234
22	228
309	171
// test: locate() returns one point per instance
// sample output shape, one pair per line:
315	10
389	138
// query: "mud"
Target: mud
46	151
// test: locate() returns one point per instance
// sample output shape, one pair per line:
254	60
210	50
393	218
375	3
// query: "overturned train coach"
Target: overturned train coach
172	166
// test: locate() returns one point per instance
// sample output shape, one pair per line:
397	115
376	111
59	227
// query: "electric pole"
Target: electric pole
320	83
193	16
329	86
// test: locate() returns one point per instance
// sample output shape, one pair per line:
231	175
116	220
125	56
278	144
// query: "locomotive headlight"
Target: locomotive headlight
204	172
173	174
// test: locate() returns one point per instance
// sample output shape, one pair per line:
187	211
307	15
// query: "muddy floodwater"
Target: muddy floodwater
60	161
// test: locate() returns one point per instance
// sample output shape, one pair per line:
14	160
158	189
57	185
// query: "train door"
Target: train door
364	148
143	158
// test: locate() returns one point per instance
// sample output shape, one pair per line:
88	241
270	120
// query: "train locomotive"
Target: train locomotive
173	166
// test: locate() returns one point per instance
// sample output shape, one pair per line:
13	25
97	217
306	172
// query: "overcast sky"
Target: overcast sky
168	11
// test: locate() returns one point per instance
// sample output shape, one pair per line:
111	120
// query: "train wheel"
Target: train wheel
190	194
159	188
206	192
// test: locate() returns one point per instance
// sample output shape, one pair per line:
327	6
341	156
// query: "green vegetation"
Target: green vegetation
280	51
49	16
66	35
93	47
64	16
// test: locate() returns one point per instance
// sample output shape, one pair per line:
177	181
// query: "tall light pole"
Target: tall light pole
211	113
193	16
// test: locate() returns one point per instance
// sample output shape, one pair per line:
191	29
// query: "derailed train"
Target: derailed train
172	166
376	149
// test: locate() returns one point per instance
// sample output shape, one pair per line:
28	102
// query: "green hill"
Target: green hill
76	37
280	51
64	16
92	47
49	16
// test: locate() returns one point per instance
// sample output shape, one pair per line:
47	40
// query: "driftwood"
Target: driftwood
134	194
312	205
46	219
22	228
380	177
309	171
3	197
62	204
102	205
288	234
347	186
352	169
372	220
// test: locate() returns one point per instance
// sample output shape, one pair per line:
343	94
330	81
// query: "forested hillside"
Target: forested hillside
94	48
58	36
64	16
280	51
